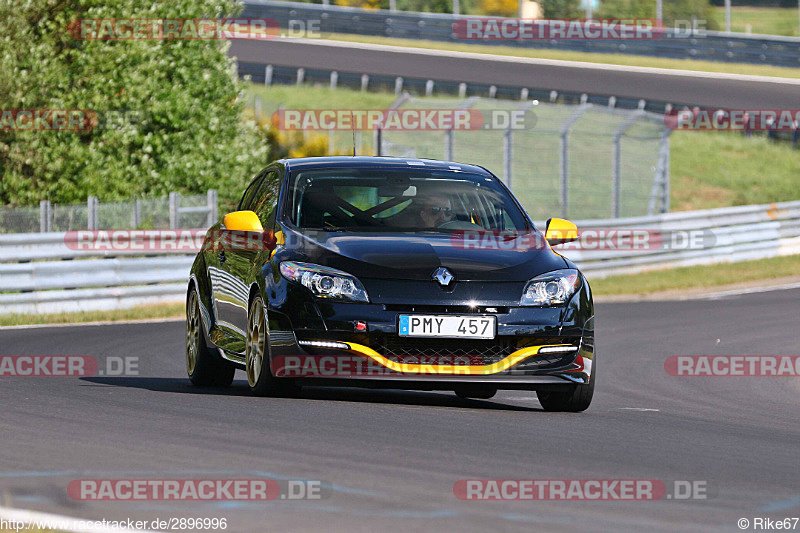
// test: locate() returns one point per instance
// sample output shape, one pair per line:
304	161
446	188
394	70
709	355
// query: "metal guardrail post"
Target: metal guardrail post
616	169
448	144
659	194
666	202
137	213
174	205
211	203
564	156
377	142
45	216
268	75
91	212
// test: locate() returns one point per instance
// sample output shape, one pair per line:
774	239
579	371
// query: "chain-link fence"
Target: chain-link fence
578	161
175	211
584	161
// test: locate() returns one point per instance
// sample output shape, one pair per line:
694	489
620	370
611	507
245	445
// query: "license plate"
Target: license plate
448	326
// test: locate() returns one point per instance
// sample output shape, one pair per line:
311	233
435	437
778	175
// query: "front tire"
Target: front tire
204	367
574	400
257	361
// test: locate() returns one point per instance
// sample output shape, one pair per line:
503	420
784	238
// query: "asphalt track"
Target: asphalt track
391	458
709	90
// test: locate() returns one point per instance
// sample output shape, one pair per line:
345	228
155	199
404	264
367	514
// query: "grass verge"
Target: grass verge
763	20
720	169
697	277
134	313
566	55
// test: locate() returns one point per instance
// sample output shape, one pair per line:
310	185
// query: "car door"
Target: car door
225	272
236	264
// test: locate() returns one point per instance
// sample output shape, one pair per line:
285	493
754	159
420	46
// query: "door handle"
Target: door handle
221	257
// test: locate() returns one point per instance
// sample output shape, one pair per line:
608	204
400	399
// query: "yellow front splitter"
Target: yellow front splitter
461	370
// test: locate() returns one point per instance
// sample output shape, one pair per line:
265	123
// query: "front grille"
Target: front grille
488	351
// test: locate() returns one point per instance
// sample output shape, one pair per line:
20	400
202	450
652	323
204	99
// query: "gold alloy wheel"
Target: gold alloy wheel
255	342
192	332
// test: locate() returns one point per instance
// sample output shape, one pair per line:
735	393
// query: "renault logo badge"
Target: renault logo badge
443	276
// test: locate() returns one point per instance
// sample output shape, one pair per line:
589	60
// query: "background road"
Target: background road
712	90
392	457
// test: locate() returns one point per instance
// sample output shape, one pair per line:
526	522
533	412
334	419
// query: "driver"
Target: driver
435	211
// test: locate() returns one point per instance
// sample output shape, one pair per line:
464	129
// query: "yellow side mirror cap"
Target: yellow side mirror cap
560	231
242	221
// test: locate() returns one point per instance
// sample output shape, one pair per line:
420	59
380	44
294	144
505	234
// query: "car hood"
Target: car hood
416	256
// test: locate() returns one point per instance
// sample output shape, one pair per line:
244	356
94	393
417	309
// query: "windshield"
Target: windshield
408	200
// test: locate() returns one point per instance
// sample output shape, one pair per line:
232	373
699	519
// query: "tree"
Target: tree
180	103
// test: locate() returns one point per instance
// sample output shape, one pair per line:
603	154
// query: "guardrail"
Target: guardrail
710	45
44	273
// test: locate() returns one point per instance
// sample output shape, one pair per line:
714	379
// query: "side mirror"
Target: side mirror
242	221
560	231
242	231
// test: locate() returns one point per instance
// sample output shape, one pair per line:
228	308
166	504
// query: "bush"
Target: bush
562	9
188	134
500	8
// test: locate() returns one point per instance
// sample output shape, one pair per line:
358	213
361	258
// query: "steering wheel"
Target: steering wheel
459	224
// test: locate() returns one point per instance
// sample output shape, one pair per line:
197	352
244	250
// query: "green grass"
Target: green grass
311	97
765	20
565	55
697	277
718	169
134	313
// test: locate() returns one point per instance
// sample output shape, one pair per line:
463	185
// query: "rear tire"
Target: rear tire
257	360
205	368
574	400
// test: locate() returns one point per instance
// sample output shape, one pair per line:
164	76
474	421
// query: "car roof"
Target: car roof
301	163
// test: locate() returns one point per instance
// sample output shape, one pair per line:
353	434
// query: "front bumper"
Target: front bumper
534	348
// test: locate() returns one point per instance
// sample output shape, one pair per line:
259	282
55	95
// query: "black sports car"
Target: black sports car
394	273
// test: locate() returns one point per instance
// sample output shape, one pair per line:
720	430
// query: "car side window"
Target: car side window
247	197
266	198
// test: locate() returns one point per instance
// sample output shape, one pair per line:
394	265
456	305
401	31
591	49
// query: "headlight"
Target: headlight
325	282
553	288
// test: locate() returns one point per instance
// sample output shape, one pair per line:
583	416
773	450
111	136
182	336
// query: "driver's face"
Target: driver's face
436	211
